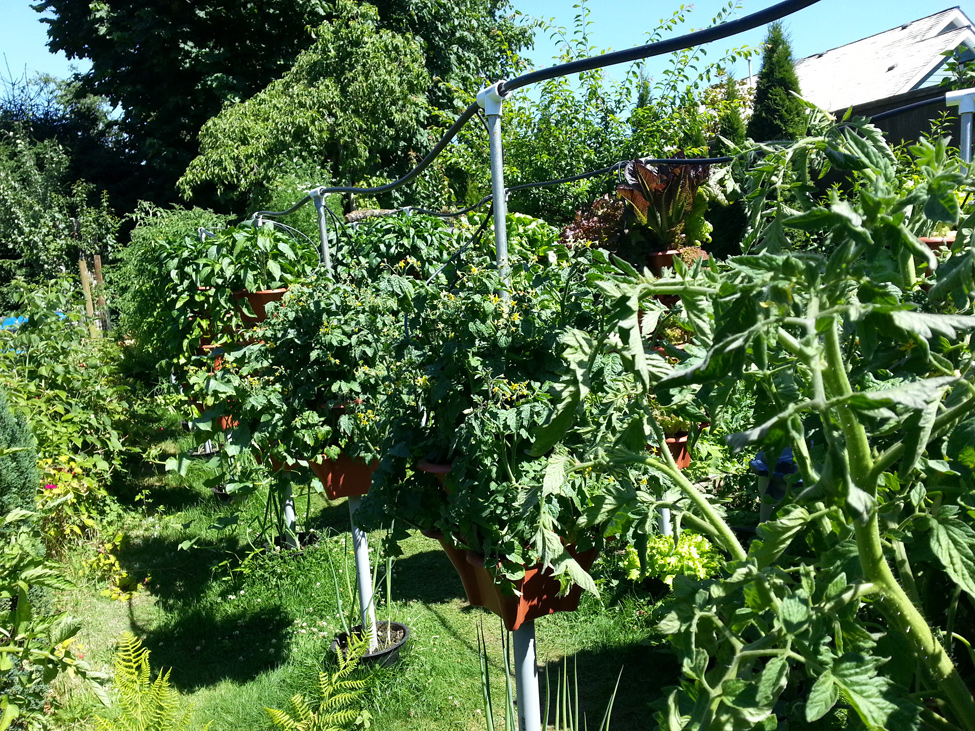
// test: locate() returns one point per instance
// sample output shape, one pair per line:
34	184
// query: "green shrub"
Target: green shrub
778	113
64	381
138	281
19	478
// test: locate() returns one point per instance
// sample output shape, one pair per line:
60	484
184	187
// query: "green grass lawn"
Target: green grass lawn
244	628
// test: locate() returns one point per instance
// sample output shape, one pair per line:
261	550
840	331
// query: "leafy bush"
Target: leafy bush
45	220
138	281
63	380
34	644
19	478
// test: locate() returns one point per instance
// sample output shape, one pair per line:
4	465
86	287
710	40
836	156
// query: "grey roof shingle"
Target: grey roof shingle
883	65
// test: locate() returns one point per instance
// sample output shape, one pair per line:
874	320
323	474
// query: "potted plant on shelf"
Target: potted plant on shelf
328	346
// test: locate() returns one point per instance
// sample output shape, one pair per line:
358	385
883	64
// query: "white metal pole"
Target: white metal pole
490	100
526	678
290	520
663	522
964	99
360	545
319	200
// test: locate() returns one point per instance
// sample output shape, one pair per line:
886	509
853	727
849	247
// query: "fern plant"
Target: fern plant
337	707
144	704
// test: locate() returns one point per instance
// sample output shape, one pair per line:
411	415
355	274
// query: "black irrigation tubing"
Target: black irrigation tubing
697	38
906	108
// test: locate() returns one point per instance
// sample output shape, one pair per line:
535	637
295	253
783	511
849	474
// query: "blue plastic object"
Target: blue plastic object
12	323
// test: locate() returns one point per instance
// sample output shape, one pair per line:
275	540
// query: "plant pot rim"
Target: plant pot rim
386	656
434	468
245	292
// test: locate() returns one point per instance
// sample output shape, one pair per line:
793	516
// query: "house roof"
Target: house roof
884	65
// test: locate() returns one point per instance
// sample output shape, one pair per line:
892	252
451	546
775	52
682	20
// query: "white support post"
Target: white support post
360	545
319	199
663	522
290	519
964	99
526	678
490	101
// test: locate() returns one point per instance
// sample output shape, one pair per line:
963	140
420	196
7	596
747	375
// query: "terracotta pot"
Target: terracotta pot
535	595
937	243
345	476
439	471
677	444
258	301
660	260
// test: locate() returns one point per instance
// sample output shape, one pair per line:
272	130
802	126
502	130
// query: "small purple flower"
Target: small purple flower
50	487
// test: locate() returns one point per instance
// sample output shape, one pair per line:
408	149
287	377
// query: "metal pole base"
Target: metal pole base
526	678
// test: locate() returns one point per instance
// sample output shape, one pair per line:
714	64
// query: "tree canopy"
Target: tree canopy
353	101
171	66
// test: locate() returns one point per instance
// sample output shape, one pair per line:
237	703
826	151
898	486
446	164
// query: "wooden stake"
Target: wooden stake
89	307
102	304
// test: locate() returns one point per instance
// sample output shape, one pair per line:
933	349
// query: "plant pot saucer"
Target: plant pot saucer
386	655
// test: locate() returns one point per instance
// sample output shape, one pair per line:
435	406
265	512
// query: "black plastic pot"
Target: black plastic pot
383	657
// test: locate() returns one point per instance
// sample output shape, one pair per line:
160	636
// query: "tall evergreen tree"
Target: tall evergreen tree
778	114
731	124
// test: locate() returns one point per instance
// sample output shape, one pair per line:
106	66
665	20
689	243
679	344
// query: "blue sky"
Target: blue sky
616	24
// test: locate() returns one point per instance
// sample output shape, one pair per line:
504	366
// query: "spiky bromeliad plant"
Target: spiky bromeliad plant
858	596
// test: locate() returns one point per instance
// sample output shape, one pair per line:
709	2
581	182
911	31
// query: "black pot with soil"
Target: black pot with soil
392	637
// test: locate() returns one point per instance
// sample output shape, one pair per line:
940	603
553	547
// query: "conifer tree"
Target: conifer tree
778	114
731	124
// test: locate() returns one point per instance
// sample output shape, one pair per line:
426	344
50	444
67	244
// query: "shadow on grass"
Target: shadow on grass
426	577
646	670
332	517
177	577
206	644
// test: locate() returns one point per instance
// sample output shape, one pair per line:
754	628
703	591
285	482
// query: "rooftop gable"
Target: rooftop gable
886	64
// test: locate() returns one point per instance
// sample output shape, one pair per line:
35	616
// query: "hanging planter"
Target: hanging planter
344	476
535	595
439	471
677	446
258	302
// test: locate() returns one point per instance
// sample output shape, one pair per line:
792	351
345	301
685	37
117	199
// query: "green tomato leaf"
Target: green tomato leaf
879	703
822	697
776	535
953	544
